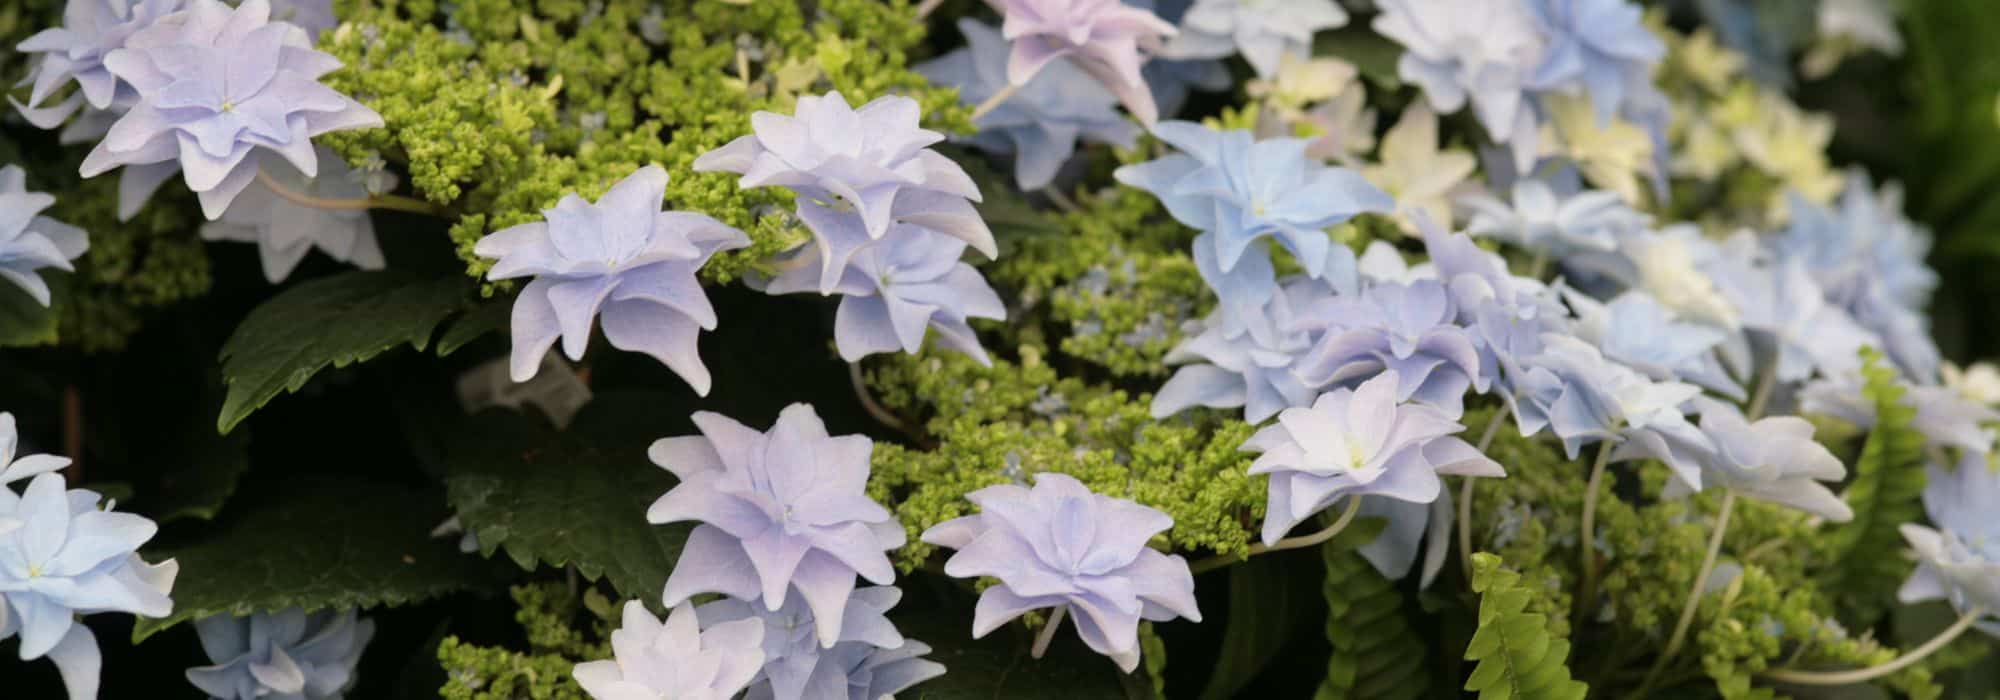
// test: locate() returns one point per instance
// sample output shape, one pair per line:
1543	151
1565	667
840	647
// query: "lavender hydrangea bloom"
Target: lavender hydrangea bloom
285	231
1107	39
1059	545
896	288
217	86
1959	561
795	664
1262	31
29	241
1354	443
1774	459
1635	330
75	51
1244	359
68	559
622	256
1571	390
783	510
1241	190
1946	418
674	658
1554	225
1505	314
1042	123
1600	46
286	655
1869	260
1409	329
1460	50
1781	302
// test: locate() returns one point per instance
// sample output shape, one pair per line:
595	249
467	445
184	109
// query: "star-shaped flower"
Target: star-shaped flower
1471	50
75	52
780	511
1107	39
674	658
286	654
1554	225
1601	47
1264	32
898	287
1409	329
285	230
1416	171
1773	459
1959	561
1245	359
30	242
796	666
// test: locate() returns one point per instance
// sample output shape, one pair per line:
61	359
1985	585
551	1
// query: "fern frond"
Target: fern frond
1516	655
1376	654
1886	492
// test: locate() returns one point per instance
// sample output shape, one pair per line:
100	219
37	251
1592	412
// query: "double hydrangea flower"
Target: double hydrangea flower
1552	224
286	654
217	88
1773	459
30	242
1959	561
675	657
1264	32
874	196
62	558
285	231
779	512
1107	39
870	660
1057	545
75	53
621	256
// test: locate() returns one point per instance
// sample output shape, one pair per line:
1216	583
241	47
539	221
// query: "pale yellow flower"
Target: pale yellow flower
1790	145
1302	81
1979	382
1703	61
1611	154
1415	171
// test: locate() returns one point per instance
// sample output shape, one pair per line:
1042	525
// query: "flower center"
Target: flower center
228	106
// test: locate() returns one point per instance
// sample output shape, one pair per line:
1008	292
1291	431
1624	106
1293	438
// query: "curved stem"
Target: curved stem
881	413
994	101
1465	496
1048	632
1858	675
1587	542
1693	604
1762	397
390	202
1341	523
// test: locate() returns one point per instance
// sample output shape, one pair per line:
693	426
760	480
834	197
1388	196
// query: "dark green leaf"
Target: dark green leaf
1265	593
334	321
198	472
317	543
576	497
1373	54
24	321
485	318
999	668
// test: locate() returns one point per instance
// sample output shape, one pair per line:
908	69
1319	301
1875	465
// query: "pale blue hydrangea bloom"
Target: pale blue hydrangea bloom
1240	190
1472	50
674	658
1263	31
1635	330
1042	123
1410	329
1059	545
1779	301
1245	358
796	666
1945	417
30	242
1571	390
856	172
1551	224
1107	39
285	230
780	511
75	51
1774	459
1505	314
621	256
1601	47
286	655
218	87
67	559
898	287
1354	443
1959	561
1869	260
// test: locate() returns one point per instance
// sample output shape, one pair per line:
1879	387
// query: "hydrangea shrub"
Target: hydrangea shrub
1027	348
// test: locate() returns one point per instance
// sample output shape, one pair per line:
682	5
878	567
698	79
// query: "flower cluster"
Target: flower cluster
287	654
889	218
1107	39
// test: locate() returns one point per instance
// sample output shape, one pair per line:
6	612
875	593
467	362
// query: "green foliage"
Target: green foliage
1886	491
316	543
1266	594
568	498
1517	656
998	666
24	321
335	321
1376	652
548	614
132	268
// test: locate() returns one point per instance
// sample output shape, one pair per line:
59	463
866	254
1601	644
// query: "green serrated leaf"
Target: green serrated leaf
998	667
1516	657
24	322
1376	652
317	543
335	321
577	497
475	324
198	472
1886	492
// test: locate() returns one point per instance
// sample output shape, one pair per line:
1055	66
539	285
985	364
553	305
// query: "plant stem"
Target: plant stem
881	413
1062	201
1346	517
925	8
1693	603
1762	397
1465	497
1965	622
994	101
390	202
1048	632
1587	595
